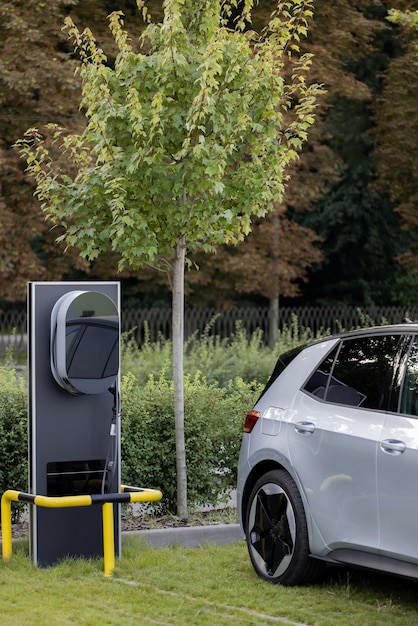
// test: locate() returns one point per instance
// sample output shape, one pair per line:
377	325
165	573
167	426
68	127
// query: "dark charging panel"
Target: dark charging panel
72	478
70	424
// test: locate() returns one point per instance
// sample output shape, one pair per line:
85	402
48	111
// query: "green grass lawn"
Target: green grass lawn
212	585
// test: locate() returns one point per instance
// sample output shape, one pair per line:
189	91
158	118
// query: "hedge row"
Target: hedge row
13	432
213	425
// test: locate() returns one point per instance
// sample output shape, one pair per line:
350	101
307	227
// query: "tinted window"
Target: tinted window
409	396
357	373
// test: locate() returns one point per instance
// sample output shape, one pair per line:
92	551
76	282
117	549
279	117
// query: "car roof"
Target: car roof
406	327
397	329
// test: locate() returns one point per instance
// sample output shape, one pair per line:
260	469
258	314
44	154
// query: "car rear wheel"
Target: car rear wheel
276	532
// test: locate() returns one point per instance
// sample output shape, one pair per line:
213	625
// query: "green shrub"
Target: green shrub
220	360
217	359
13	433
213	426
153	358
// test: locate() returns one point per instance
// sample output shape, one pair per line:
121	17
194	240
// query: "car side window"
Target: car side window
409	394
358	374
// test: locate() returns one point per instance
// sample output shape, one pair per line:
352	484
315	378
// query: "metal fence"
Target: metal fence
153	323
13	330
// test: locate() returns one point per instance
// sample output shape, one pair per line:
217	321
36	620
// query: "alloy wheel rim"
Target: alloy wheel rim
272	530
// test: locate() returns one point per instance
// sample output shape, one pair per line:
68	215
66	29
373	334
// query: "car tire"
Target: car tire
276	532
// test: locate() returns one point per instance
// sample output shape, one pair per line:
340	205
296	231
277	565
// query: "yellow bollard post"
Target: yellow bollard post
6	526
134	494
108	539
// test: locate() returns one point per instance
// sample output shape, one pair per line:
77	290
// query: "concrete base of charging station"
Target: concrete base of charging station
189	536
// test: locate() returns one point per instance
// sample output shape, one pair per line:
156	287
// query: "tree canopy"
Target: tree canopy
204	107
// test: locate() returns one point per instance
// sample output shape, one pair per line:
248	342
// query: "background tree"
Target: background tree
343	215
270	262
37	85
338	185
329	191
33	87
362	237
185	141
396	133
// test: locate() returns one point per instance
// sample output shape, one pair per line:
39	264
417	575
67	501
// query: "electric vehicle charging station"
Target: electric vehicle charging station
74	417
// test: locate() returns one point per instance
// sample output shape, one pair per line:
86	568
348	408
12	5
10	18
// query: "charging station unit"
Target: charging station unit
74	416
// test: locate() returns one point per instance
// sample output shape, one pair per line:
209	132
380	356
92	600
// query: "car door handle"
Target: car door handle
304	428
393	446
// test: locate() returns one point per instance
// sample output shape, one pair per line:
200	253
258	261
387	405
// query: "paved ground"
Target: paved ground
190	536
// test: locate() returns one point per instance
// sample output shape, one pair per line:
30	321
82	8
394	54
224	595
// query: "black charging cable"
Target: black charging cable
109	470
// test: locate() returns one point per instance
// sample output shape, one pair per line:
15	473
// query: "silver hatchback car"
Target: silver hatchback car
328	469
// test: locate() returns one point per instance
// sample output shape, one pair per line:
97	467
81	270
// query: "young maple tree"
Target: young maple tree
188	136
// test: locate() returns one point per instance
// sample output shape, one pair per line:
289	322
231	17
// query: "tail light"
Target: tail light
250	421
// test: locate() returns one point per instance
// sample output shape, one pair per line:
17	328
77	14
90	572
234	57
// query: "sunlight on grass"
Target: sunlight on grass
213	585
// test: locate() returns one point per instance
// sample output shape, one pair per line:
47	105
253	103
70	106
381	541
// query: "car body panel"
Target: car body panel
341	494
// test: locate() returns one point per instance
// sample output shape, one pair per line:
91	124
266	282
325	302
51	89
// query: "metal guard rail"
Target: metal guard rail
128	494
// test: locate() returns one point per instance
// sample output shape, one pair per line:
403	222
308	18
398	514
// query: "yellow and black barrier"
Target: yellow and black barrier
107	500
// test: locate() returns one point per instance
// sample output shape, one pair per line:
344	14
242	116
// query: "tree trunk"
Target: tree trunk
178	378
273	321
273	325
